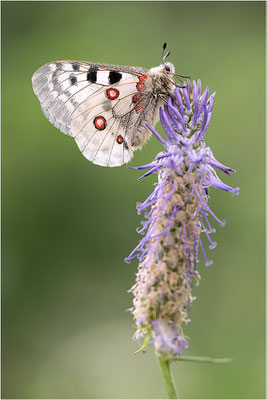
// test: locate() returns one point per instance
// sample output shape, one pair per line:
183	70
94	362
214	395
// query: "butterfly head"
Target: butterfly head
169	68
162	78
163	69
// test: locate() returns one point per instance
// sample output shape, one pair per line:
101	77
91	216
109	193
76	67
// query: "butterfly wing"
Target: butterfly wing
92	103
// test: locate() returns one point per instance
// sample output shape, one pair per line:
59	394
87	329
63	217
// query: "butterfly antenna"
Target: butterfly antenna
162	53
166	55
163	49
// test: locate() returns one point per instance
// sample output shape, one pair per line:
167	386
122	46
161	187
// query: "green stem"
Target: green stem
203	359
167	377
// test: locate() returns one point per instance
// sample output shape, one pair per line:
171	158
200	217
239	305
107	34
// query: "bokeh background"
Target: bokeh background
68	224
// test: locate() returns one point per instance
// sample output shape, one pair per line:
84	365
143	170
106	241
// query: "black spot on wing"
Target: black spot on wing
74	102
55	73
125	145
114	77
76	67
92	75
73	80
57	86
107	105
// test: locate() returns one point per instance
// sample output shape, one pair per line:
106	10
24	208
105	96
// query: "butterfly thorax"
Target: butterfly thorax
153	95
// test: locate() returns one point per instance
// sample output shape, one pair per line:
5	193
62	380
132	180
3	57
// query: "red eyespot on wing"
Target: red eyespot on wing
120	139
112	93
136	97
100	123
142	78
140	86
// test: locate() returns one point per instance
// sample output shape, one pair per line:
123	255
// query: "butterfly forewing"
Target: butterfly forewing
93	103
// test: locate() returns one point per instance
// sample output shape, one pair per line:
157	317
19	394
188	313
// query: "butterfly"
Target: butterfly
104	107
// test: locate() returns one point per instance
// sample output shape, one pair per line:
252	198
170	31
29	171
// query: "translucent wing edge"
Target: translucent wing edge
104	66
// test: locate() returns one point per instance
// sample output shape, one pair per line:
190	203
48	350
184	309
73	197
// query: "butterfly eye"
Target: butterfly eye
167	68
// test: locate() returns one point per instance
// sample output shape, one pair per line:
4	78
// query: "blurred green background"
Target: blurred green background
68	224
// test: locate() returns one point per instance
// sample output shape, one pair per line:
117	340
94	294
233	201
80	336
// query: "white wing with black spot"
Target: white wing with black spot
94	103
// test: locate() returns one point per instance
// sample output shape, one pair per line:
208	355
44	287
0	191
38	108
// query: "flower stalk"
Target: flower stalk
168	381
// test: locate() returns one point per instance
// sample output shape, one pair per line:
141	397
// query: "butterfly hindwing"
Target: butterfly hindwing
93	103
108	147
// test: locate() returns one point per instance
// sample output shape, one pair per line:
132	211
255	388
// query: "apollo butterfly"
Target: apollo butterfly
104	107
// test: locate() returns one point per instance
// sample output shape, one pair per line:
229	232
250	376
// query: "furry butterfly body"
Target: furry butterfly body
104	107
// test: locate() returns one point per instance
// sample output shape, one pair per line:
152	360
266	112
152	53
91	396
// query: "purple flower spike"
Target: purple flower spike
177	217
